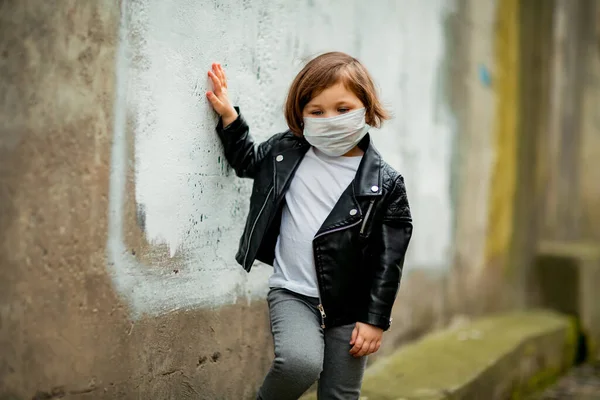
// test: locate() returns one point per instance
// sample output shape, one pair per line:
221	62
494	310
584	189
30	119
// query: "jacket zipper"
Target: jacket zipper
338	229
262	209
322	311
362	228
255	222
320	305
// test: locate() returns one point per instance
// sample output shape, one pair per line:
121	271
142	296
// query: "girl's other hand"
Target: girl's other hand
366	339
218	97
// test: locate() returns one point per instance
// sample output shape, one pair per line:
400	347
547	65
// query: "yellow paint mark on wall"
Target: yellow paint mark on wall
504	172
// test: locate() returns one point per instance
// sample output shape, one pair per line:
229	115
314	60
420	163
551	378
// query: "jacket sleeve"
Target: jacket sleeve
241	151
390	249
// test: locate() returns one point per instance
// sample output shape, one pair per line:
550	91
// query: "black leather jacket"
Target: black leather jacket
359	250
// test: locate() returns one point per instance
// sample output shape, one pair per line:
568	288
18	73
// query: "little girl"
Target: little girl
330	216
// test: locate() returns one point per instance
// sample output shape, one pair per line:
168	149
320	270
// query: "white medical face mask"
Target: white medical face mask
335	136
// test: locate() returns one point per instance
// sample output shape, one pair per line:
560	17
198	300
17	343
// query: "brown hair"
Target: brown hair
324	71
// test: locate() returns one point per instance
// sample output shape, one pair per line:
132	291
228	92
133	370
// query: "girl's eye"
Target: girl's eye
316	112
343	110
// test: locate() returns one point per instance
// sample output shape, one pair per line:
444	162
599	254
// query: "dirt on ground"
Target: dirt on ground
582	383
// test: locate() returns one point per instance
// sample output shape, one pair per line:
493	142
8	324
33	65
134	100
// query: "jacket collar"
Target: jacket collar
286	162
366	183
368	179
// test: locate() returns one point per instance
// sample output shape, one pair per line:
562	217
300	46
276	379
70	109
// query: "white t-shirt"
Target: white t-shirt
316	187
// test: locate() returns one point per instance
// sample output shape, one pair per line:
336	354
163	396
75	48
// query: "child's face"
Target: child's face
333	101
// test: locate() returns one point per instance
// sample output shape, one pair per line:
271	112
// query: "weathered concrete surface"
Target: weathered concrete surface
590	130
500	357
570	146
473	98
63	330
189	204
565	278
67	322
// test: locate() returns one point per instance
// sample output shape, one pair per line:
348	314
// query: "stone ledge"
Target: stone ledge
565	279
500	357
581	250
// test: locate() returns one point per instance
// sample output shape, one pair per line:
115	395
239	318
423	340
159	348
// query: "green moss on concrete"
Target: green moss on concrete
537	383
549	375
460	363
593	350
571	340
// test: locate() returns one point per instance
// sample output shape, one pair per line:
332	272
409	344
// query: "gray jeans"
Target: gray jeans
304	352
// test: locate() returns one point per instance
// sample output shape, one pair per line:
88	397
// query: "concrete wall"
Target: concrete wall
590	130
568	229
476	79
190	206
64	329
119	217
165	126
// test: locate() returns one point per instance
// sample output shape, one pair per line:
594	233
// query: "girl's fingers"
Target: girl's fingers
216	82
215	70
372	348
218	71
214	101
357	346
218	97
363	350
223	76
215	79
354	334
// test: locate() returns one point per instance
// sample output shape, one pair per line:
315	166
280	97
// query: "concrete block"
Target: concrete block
500	357
565	278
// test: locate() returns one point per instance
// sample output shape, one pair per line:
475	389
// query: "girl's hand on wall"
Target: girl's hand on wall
366	339
218	97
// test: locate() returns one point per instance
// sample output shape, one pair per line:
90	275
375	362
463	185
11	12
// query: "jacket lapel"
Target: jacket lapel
367	182
285	164
368	179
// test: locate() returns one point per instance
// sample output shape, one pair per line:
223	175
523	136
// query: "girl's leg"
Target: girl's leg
342	374
298	340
